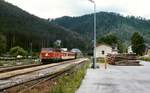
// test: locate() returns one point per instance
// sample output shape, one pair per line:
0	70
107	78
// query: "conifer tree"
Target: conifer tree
137	43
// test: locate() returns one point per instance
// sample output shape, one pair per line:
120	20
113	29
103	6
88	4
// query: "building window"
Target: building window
103	52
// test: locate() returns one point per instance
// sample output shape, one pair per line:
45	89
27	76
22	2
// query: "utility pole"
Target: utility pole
94	50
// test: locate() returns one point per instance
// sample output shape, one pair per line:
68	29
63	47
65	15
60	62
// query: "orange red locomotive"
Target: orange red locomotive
55	55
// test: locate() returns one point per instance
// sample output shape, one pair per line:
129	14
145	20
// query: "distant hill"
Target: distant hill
107	23
19	28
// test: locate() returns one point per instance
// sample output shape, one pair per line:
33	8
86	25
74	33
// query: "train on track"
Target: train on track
48	55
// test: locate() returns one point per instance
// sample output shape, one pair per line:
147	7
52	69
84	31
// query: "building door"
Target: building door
103	52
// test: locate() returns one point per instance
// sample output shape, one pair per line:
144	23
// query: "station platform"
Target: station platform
117	79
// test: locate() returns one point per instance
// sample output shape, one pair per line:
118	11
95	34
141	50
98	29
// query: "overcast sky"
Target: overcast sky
58	8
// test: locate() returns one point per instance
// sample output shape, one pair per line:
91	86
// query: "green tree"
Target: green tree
122	47
2	44
18	51
109	39
137	43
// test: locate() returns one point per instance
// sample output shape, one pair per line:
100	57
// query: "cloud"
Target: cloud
58	8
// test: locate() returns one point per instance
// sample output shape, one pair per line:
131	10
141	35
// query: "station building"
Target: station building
103	49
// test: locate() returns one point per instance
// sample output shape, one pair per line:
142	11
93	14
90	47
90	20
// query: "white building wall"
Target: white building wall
130	49
107	49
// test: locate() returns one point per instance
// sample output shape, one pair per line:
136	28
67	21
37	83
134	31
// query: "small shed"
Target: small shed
103	49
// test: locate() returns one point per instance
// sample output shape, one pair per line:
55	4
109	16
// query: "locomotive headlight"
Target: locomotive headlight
46	54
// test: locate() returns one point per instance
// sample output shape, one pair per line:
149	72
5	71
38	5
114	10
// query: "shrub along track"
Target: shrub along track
16	82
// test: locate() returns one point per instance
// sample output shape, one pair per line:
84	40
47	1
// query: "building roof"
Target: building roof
103	44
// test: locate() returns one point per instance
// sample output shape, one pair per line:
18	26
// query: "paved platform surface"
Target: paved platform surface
117	79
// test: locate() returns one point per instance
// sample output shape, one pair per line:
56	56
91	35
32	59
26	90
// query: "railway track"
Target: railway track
18	77
46	81
11	68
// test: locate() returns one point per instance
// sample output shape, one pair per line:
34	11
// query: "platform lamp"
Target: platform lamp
94	50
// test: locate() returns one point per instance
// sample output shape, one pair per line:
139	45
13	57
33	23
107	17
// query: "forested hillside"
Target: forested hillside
19	28
107	23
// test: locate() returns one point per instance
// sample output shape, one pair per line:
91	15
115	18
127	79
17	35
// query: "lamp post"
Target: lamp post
94	50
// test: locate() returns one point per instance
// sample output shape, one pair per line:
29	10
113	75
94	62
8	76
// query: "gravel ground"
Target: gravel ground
117	79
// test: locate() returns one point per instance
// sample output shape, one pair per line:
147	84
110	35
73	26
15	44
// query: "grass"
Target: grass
145	58
1	64
70	83
100	60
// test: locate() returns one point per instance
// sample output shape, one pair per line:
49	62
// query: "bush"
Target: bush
18	51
